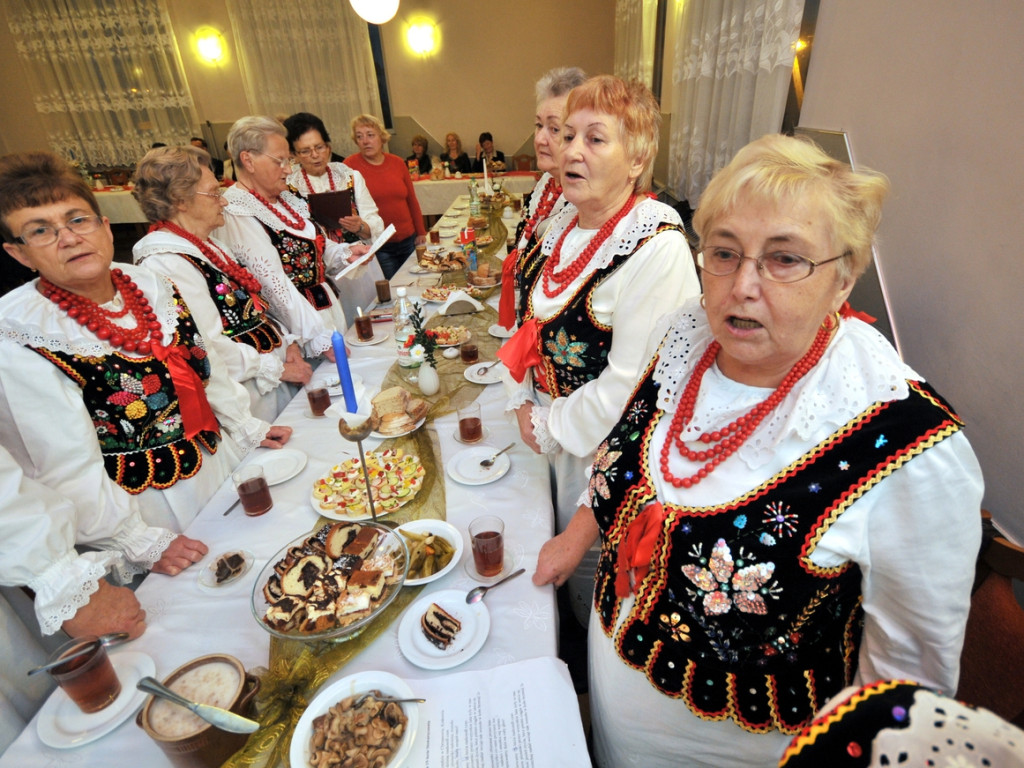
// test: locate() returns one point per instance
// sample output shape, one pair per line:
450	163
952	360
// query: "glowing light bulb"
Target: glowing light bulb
375	11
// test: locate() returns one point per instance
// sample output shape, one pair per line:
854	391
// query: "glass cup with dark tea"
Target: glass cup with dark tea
317	394
89	680
364	327
383	288
253	491
471	429
469	353
487	535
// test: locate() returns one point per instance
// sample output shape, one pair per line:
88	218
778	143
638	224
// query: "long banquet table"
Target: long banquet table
435	196
186	620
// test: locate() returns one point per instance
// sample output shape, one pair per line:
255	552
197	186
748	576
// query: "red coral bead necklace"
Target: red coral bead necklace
309	185
728	439
297	222
216	255
141	339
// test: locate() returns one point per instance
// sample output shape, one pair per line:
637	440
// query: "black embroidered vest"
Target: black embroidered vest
134	408
303	262
241	321
733	617
574	345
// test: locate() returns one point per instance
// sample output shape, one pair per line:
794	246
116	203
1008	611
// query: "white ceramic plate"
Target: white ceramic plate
506	569
476	624
280	464
416	269
380	436
327	697
464	467
466	336
477	375
484	434
501	332
377	339
439	528
62	725
208	575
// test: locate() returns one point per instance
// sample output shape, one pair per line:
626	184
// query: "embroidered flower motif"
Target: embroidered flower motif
636	411
740	521
881	441
778	518
150	384
122	398
716	580
157	401
130	384
564	351
814	487
673	624
844	465
603	461
136	409
767	539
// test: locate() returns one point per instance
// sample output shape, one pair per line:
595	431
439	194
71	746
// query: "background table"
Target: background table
435	197
120	206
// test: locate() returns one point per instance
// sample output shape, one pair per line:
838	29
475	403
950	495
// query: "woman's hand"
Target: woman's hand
276	437
526	426
296	369
356	250
421	240
355	225
329	353
110	609
560	556
180	555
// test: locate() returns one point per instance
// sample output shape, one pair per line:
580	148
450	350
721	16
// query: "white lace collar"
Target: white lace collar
640	223
30	319
338	171
859	368
242	203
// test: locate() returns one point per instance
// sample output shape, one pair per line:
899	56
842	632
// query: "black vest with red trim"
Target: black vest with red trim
733	617
134	408
241	321
574	346
303	263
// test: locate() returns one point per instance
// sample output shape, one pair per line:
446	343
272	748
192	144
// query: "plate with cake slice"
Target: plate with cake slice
441	630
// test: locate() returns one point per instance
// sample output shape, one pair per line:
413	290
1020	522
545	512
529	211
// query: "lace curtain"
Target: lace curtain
105	75
635	22
306	56
731	74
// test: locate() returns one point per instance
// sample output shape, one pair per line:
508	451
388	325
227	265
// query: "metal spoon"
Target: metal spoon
111	638
476	594
359	702
222	718
488	463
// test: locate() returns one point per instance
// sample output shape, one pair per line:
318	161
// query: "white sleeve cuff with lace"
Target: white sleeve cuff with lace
268	378
68	584
539	419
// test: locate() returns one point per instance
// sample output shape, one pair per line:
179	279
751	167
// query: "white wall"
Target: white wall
930	94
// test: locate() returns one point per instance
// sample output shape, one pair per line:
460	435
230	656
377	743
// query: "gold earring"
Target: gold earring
703	304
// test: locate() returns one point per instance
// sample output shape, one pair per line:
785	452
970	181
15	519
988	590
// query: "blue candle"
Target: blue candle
341	360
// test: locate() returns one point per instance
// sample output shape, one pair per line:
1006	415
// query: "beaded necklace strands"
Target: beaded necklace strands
309	185
216	256
298	223
554	285
728	440
141	339
548	197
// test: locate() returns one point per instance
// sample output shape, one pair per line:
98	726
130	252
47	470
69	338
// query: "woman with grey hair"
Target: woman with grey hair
185	203
269	230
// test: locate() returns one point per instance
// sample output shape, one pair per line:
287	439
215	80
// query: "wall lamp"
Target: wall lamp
211	47
375	11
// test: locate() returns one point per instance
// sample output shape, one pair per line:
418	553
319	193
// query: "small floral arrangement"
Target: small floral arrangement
425	340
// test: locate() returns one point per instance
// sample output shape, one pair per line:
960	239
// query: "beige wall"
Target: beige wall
481	79
933	100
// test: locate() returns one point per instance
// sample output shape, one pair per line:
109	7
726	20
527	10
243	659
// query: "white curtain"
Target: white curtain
306	56
731	74
106	76
635	23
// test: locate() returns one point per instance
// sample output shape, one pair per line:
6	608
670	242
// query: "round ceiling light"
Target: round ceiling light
375	11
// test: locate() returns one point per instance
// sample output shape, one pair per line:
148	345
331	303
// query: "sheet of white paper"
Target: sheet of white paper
521	715
389	230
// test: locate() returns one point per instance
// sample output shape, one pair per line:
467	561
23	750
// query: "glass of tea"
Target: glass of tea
471	428
253	491
487	535
364	327
317	394
383	288
469	353
89	680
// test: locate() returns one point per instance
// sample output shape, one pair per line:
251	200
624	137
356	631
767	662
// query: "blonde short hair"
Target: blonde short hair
637	111
167	176
777	169
369	121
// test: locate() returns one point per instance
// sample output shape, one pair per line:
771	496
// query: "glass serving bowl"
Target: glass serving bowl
389	544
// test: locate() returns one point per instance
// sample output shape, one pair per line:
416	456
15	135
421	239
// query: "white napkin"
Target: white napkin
459	303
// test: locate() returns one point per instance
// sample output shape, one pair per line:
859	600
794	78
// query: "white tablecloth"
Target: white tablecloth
120	207
187	621
435	197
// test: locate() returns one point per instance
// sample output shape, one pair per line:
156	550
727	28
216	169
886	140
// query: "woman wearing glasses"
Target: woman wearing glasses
784	507
181	197
106	383
269	230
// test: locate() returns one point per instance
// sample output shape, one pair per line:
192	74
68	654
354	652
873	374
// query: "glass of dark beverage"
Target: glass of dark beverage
318	396
487	535
471	428
383	291
469	353
435	237
251	484
364	327
89	680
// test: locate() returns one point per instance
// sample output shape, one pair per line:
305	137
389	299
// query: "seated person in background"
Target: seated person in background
38	533
420	155
217	166
485	151
453	156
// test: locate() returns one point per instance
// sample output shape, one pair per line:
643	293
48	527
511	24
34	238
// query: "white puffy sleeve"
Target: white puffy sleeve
916	537
250	245
652	282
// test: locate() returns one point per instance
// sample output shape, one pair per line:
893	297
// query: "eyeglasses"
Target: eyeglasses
46	234
310	151
777	266
218	194
284	162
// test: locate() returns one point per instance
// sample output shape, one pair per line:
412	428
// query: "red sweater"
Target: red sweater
391	189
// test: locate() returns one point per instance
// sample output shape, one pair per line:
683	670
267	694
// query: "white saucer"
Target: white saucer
62	725
375	340
501	332
208	574
476	625
506	569
492	375
418	270
280	464
464	467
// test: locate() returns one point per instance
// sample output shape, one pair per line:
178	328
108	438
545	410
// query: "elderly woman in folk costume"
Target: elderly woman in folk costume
609	267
